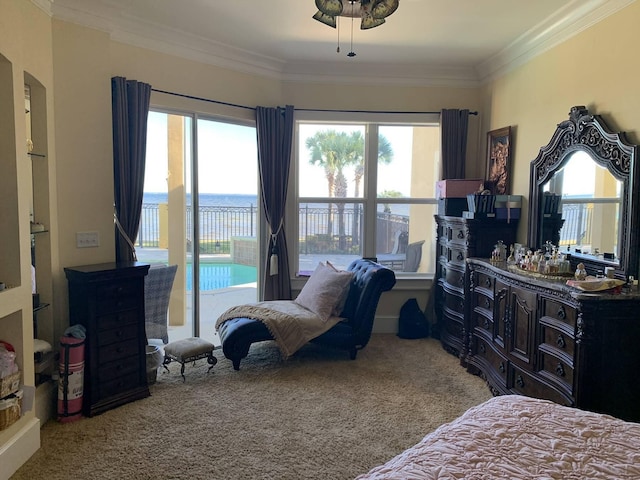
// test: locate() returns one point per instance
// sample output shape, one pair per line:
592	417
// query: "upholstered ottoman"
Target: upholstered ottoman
189	350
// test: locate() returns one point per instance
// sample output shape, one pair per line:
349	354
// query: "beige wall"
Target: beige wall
598	68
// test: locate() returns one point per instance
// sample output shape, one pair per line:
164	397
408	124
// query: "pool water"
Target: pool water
222	275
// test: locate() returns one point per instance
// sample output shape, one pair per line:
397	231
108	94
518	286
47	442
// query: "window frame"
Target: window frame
372	121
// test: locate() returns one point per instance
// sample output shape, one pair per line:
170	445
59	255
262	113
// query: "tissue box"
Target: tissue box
481	203
508	207
509	201
503	213
458	188
452	207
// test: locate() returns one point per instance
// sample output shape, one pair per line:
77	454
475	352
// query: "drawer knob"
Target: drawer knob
501	367
487	303
119	350
520	381
485	324
487	282
444	272
562	314
460	256
560	370
560	341
460	234
482	348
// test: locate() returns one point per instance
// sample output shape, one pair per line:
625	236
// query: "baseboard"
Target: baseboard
385	324
19	448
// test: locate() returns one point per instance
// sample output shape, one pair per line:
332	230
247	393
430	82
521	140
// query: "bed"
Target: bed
515	437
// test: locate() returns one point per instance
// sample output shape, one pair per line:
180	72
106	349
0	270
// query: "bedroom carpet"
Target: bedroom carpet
317	415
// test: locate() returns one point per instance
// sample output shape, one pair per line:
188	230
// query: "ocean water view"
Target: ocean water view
207	199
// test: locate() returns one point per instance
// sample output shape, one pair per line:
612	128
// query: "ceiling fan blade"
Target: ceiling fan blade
330	7
326	19
383	8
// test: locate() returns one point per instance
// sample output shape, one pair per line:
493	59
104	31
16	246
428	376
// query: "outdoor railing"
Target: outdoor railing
578	220
322	229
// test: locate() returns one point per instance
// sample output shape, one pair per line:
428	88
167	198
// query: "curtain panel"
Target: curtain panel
274	127
130	107
454	125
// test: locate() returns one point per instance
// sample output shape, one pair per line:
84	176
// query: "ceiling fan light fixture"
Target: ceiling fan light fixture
371	12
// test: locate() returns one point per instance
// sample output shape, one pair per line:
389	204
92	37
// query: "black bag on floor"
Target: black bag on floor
412	323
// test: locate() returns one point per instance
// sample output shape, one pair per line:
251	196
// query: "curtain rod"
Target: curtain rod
298	109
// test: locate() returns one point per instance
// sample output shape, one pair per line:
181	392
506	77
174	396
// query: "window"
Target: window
366	189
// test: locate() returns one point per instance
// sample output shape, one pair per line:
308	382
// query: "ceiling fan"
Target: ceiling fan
372	12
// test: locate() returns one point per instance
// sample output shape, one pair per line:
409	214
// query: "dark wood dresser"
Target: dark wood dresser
541	338
108	300
459	238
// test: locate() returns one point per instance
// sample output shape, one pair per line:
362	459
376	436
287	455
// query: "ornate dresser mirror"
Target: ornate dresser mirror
582	190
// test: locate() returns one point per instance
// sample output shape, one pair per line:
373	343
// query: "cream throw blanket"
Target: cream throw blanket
291	325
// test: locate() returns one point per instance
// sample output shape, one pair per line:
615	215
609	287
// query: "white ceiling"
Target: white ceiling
424	41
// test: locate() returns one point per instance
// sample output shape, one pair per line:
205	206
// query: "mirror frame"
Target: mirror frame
589	133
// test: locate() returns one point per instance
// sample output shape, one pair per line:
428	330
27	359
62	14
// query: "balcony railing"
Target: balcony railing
323	229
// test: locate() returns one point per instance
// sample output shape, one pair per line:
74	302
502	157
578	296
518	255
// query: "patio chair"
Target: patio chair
157	290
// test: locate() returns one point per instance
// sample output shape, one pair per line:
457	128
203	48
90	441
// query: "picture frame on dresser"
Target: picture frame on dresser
498	161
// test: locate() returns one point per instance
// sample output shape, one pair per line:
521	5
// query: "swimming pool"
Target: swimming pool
222	275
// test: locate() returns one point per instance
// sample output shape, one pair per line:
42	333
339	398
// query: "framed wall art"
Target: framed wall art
498	161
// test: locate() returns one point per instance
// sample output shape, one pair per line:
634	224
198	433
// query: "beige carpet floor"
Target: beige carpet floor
317	415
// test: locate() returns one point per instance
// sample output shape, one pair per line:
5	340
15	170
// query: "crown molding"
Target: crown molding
573	18
569	21
44	5
405	75
162	39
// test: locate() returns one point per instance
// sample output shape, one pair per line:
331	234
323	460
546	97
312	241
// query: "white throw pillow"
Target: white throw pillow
337	310
324	289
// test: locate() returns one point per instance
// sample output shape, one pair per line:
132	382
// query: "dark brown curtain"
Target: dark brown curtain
454	125
275	135
130	107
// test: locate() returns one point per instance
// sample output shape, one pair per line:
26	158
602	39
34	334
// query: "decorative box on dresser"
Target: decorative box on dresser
544	339
108	300
459	238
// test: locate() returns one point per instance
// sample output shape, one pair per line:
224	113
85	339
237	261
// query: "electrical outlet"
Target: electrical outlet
87	239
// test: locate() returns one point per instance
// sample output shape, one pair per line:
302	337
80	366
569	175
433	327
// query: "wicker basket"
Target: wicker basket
10	409
9	384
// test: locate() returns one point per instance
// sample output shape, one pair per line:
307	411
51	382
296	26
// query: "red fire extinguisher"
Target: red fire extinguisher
71	381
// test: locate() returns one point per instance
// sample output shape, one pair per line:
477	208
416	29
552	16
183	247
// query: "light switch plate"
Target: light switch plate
87	239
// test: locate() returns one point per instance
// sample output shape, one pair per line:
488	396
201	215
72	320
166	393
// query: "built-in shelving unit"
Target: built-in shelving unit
19	440
39	217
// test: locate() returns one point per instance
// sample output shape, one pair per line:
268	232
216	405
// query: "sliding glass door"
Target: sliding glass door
200	212
226	176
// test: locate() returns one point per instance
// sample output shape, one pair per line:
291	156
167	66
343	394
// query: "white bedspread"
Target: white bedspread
514	437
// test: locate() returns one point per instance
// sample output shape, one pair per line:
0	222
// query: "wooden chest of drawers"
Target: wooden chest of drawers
108	300
542	339
458	239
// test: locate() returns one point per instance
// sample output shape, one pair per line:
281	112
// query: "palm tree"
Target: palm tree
329	149
334	151
385	156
